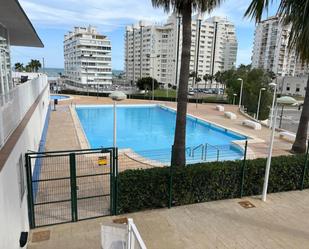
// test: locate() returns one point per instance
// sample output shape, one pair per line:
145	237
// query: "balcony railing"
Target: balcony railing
15	104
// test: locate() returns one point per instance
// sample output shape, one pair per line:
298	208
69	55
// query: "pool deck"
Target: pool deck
280	222
62	127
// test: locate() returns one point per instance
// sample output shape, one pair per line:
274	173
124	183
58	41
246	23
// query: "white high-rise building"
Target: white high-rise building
87	58
213	49
271	52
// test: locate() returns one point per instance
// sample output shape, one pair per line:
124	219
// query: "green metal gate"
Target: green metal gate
67	186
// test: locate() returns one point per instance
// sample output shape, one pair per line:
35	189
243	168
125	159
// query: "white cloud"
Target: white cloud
111	14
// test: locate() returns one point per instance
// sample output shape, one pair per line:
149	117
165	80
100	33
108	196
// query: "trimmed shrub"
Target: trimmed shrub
149	188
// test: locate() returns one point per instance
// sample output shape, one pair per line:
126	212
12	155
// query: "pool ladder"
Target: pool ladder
204	148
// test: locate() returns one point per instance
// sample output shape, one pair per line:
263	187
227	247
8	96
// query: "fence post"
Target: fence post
170	188
30	191
113	192
73	187
304	171
116	182
243	170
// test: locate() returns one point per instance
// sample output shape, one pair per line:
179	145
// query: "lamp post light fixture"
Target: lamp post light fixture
240	94
259	103
116	96
286	100
273	85
280	101
234	96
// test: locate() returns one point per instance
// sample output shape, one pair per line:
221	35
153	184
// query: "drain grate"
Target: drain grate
40	236
246	204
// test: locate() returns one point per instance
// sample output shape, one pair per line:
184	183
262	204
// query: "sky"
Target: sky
53	19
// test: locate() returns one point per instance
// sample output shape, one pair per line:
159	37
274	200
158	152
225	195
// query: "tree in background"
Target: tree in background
193	76
207	77
146	83
220	79
185	9
254	80
19	67
33	66
296	14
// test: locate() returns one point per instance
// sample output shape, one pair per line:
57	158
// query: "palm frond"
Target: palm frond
257	8
177	5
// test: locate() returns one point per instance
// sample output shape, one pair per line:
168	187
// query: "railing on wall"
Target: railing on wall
15	104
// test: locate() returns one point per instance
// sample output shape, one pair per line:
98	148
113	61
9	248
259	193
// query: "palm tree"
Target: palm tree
218	79
34	65
296	14
185	9
206	78
19	67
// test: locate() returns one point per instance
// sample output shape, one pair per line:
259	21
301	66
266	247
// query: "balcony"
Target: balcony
15	104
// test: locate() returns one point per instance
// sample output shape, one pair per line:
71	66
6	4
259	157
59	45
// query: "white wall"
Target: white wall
13	211
293	85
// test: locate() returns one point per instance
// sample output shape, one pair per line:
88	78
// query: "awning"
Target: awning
21	32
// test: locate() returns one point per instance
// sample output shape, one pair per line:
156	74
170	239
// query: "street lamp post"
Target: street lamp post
116	96
234	96
152	82
259	103
274	85
240	94
280	101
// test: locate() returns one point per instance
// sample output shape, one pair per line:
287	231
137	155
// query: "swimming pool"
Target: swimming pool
149	128
59	97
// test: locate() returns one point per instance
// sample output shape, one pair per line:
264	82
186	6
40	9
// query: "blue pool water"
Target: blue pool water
59	97
149	130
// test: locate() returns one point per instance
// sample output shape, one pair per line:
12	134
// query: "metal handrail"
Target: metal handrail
214	146
197	147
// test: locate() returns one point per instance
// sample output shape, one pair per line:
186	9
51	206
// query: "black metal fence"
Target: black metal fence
67	186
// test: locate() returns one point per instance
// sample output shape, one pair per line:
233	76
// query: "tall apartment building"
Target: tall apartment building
151	49
87	58
271	52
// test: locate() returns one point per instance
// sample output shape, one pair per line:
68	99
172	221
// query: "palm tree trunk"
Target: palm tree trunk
299	145
178	150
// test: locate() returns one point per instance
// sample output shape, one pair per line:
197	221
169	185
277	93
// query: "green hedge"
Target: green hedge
149	188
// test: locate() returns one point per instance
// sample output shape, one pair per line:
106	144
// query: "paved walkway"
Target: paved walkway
281	222
61	134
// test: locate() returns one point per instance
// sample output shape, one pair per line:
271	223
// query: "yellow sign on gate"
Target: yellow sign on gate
102	160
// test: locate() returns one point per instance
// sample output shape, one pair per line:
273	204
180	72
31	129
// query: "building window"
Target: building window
288	88
297	89
21	177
